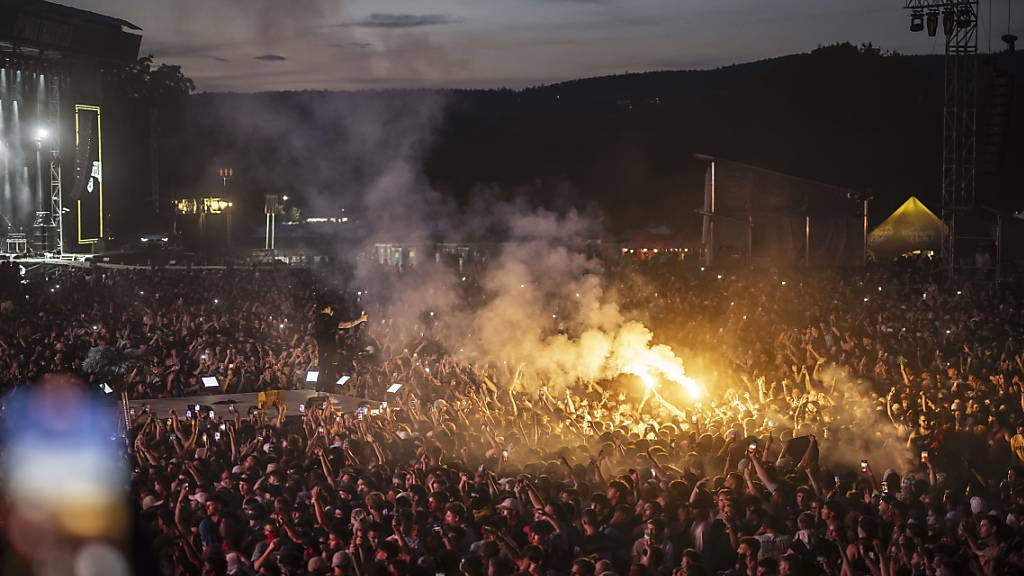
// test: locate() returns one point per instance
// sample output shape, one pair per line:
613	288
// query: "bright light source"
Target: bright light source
41	134
720	277
394	388
312	376
341	381
106	388
865	298
216	301
210	382
783	282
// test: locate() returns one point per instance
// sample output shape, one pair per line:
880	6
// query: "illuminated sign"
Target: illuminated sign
202	205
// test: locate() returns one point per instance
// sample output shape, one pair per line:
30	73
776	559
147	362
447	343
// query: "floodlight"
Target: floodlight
933	22
41	134
394	388
916	21
210	382
948	21
343	380
312	376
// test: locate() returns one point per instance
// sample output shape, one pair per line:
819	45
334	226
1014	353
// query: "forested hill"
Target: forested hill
623	144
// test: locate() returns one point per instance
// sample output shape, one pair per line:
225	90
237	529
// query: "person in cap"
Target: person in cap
326	331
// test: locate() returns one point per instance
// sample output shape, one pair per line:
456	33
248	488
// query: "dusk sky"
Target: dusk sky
255	45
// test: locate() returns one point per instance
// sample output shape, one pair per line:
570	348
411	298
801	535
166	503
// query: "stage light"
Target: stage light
933	22
394	388
948	21
41	134
916	21
312	376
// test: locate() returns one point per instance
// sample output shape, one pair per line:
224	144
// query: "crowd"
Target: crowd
855	423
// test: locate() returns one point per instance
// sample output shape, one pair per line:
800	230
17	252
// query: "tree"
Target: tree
154	88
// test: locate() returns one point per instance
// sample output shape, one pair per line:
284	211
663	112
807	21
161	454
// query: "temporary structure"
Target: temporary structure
911	228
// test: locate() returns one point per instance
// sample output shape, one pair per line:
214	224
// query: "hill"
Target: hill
623	144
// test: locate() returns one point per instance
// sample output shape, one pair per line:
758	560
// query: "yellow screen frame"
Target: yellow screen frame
99	147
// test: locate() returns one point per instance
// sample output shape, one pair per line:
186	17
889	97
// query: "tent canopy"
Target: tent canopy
911	227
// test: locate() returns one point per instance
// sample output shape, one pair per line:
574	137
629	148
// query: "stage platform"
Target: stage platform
161	407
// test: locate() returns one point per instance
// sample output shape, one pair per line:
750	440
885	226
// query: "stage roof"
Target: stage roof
40	29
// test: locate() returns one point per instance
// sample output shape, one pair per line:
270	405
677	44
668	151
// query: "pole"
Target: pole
40	221
807	240
39	175
864	255
999	247
266	234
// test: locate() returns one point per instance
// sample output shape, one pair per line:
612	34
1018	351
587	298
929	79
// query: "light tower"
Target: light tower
960	109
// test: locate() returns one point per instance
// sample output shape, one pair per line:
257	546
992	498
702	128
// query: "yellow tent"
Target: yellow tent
911	227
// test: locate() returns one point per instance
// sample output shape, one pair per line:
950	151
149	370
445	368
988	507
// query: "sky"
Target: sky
260	45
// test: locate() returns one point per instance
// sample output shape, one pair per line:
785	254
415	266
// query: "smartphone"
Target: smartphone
216	436
885	487
131	412
302	408
212	415
223	427
863	465
188	414
835	479
504	454
924	456
197	408
752	447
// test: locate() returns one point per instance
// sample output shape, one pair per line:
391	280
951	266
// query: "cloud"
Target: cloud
404	21
271	58
356	45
